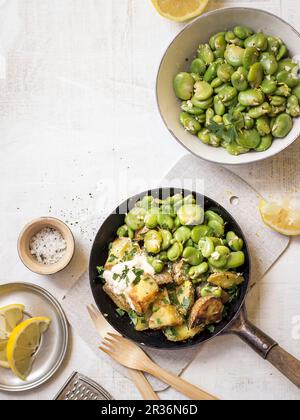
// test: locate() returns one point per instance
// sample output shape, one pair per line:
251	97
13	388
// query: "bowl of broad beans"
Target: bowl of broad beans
228	87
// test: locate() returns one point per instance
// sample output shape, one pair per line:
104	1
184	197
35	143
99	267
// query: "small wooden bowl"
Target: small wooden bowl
32	229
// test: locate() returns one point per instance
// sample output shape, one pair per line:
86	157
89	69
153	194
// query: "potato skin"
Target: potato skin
226	280
166	316
182	332
186	297
208	310
120	301
143	294
178	272
163	278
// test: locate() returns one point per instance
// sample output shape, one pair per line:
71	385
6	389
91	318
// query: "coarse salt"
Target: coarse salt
48	246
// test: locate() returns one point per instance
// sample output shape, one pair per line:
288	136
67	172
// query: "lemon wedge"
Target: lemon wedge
283	217
23	344
180	10
3	359
10	316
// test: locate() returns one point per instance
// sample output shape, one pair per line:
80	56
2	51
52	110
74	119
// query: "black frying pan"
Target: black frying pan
237	321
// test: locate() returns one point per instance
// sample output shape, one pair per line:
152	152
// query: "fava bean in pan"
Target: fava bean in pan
238	83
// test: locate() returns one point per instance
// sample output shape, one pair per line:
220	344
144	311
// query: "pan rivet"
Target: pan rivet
234	200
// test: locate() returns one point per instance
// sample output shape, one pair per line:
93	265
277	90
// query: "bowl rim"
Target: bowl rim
186	28
64	262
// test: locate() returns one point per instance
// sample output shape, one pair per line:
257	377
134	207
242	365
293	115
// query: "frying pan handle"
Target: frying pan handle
251	335
266	347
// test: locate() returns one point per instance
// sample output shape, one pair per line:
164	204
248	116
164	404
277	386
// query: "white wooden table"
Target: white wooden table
77	115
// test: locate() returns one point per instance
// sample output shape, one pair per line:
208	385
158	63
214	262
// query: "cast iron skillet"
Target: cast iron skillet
237	322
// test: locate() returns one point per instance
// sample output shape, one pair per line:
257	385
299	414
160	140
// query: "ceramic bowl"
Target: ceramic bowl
32	229
181	52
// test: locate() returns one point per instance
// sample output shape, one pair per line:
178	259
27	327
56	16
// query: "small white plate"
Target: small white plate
179	56
53	348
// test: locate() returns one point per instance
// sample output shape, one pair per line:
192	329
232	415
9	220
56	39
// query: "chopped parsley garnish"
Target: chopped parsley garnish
134	318
124	275
112	258
228	133
100	270
138	272
129	255
120	312
234	293
211	328
171	332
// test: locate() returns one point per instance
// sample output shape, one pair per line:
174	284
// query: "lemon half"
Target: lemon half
282	217
23	343
180	10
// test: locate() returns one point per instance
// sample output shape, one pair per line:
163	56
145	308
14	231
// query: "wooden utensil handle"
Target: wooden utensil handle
180	384
288	365
142	384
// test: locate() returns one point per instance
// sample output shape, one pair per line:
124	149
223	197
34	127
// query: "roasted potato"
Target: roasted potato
120	248
141	323
161	300
166	316
163	278
143	294
182	332
208	310
120	301
226	280
180	272
185	297
225	298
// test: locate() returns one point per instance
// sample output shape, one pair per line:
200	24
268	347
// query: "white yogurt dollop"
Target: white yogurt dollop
121	276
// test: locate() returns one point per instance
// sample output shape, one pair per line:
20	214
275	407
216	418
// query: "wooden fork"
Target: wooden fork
130	355
138	378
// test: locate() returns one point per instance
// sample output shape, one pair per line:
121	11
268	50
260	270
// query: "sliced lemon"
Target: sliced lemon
180	10
282	217
23	344
3	359
10	316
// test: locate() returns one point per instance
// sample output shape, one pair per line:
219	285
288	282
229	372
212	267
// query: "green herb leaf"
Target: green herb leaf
138	272
171	331
120	312
100	270
234	292
112	258
211	328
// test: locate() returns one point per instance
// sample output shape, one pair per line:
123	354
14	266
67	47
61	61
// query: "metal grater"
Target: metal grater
81	388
